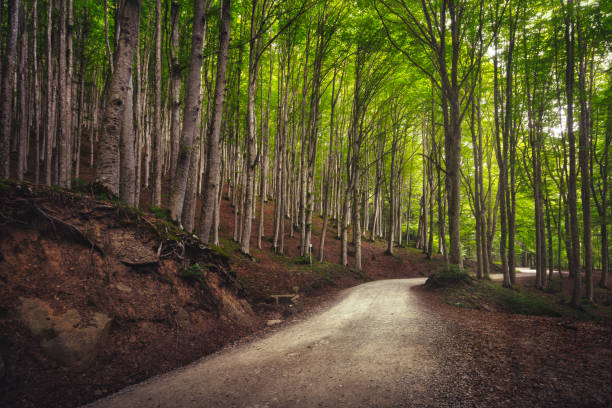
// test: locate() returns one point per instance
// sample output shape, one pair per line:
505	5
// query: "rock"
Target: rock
129	250
36	315
182	317
123	288
65	337
273	322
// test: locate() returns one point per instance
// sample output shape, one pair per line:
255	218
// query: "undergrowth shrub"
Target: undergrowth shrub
448	275
194	271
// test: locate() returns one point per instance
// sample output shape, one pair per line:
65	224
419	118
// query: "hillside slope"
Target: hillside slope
96	296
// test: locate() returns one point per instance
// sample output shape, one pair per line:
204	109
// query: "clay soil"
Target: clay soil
512	360
146	338
506	360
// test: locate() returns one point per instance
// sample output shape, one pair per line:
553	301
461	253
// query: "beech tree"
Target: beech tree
467	129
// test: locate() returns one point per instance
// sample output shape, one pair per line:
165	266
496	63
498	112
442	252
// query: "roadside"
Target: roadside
158	315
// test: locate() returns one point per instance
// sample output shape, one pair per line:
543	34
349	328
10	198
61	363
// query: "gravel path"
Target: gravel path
384	344
376	347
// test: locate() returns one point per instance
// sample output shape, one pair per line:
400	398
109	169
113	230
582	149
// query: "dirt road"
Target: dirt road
383	345
375	347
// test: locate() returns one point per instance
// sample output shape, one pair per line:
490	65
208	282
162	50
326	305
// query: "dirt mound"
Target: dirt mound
165	298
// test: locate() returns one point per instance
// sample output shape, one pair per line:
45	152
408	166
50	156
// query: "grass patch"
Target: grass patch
161	213
228	247
525	300
361	274
301	260
449	276
195	272
219	250
516	301
327	272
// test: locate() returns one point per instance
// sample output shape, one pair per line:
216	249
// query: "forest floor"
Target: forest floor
161	319
390	343
483	356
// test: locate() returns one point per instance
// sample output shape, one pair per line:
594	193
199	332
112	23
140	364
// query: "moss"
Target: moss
515	301
161	213
361	274
194	271
519	300
218	250
228	246
301	260
126	212
79	185
449	276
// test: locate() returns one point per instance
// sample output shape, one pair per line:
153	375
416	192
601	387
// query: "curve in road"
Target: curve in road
377	346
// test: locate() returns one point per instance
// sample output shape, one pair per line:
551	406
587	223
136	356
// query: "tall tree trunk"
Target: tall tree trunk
127	161
190	113
571	188
175	104
50	105
303	148
265	130
37	103
602	204
502	160
392	173
8	84
107	167
583	159
157	115
22	100
330	165
211	192
69	73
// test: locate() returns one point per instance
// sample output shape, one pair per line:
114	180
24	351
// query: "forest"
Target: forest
476	130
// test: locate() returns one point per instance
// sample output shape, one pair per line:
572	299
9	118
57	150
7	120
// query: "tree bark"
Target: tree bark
190	113
574	260
8	84
127	174
107	167
175	104
157	115
583	159
211	192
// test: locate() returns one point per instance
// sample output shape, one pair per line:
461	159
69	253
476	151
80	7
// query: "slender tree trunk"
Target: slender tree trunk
602	205
175	104
190	113
107	167
37	103
50	108
23	105
264	164
571	191
126	152
392	194
213	159
157	115
63	132
69	73
583	159
108	47
330	165
8	85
